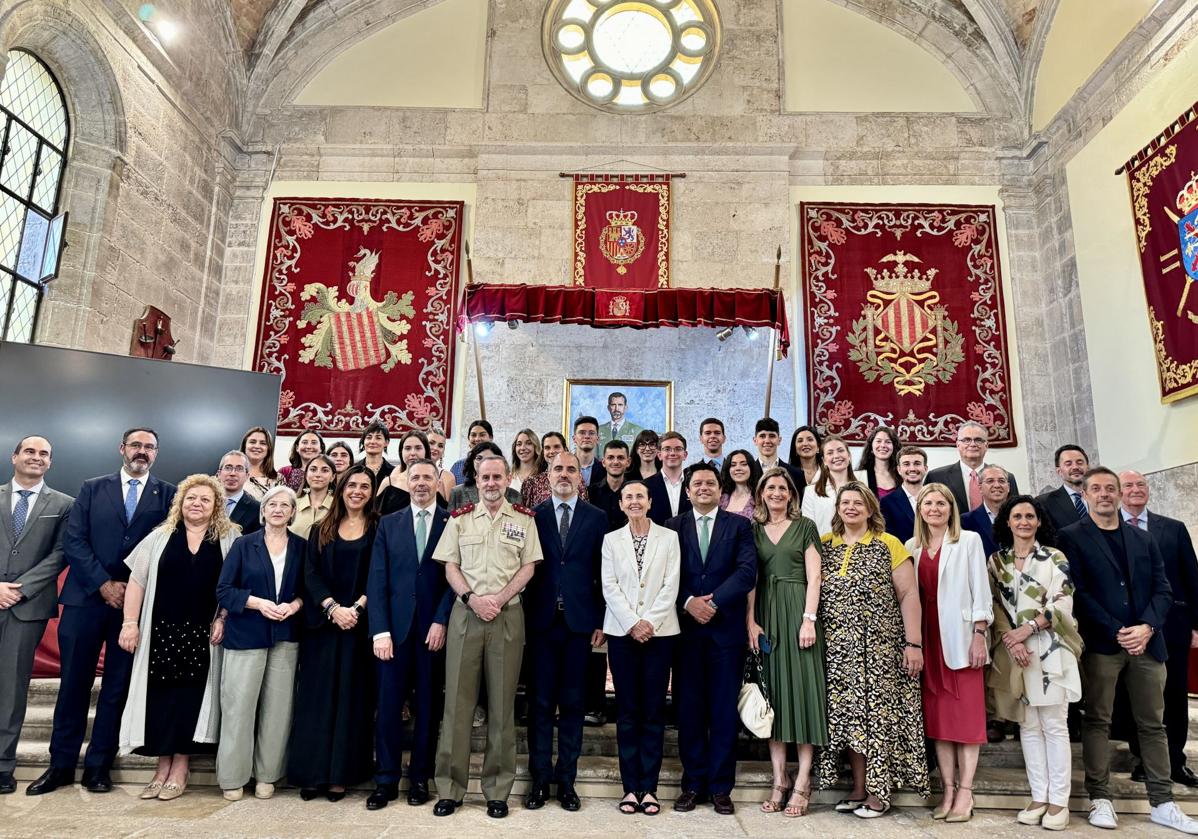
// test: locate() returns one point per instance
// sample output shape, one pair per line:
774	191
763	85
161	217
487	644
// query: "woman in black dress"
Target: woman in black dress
170	604
332	739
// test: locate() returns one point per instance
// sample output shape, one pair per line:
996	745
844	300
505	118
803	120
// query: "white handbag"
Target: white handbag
752	704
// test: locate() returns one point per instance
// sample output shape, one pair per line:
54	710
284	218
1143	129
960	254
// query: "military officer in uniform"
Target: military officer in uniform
619	428
489	550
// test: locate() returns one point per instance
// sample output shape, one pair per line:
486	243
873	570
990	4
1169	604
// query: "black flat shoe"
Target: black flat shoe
1185	776
445	807
334	796
568	798
308	793
97	780
537	796
8	784
1138	774
418	793
51	780
497	809
383	795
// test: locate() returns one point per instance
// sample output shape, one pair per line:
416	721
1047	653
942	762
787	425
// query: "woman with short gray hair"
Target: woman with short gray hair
259	585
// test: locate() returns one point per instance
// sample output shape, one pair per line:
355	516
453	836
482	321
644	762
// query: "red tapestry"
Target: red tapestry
622	231
358	306
1164	201
905	322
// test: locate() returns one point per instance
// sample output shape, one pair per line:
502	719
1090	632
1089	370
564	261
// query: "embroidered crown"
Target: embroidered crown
902	279
1187	199
621	217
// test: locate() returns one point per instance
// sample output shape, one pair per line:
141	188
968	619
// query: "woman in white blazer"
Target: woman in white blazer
954	590
641	566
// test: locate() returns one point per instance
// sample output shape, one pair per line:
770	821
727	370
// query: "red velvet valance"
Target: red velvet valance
636	308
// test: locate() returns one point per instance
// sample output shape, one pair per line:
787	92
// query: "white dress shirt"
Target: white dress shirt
966	471
911	499
141	485
699	536
674	491
35	489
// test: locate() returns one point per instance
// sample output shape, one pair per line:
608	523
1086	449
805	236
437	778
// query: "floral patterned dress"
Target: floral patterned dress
873	707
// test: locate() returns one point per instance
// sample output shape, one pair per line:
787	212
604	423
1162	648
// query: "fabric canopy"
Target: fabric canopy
636	308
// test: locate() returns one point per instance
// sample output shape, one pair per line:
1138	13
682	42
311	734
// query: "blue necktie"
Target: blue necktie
1079	505
131	500
20	512
229	505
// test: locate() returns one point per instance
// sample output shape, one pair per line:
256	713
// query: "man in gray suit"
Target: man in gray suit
33	518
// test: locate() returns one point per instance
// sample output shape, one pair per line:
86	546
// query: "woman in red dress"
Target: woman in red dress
957	609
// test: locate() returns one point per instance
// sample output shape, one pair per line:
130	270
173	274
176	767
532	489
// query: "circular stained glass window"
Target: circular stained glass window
631	56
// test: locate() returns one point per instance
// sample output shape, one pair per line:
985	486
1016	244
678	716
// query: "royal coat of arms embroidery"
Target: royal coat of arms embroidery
360	333
904	336
621	241
1187	230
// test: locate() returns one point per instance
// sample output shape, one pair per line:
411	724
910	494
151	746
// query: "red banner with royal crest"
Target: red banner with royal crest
357	315
1164	202
904	321
622	231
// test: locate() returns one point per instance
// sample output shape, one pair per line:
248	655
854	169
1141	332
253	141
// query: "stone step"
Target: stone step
599	777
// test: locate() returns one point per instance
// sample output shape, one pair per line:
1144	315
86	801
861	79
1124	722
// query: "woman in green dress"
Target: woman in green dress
783	608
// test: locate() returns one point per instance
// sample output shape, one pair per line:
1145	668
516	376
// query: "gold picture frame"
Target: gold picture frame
648	403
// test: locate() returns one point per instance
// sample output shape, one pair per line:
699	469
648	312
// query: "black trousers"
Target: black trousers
707	681
558	661
641	676
416	675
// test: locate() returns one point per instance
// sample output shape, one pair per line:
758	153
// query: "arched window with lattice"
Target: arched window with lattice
33	148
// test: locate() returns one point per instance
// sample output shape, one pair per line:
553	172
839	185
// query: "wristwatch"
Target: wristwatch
465	598
810	616
359	608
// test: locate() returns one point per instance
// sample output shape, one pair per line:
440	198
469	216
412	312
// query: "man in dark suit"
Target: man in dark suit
1066	504
719	569
563	613
33	518
242	507
964	477
667	491
606	494
898	508
410	604
995	492
767	437
110	516
1122	599
586	439
1181	624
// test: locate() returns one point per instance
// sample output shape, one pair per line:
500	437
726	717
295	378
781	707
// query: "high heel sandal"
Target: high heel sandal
955	818
772	806
941	812
793	811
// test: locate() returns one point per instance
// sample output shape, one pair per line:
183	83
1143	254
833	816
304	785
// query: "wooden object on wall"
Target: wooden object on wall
152	335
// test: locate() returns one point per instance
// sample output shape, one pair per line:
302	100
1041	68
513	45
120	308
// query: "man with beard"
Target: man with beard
34	520
564	608
606	493
489	551
1066	504
110	516
898	507
619	428
408	616
241	507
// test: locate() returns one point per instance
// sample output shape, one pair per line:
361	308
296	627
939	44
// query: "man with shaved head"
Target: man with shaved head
1181	623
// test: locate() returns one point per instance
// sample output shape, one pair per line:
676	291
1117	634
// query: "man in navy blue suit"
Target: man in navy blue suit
719	569
1122	599
110	516
409	610
563	612
996	489
898	508
667	487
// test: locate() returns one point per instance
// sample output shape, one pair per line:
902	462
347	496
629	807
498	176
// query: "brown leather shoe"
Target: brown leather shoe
723	804
686	801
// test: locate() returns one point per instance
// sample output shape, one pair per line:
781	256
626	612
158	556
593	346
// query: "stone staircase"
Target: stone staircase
1000	782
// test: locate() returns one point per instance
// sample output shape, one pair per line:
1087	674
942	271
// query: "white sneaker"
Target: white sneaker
1170	815
233	794
262	790
1102	814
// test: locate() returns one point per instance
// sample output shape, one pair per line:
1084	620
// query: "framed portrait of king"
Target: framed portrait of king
624	407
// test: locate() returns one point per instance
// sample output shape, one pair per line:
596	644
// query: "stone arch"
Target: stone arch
95	155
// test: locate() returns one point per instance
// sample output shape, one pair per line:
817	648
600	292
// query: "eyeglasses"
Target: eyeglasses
229	467
141	447
972	441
